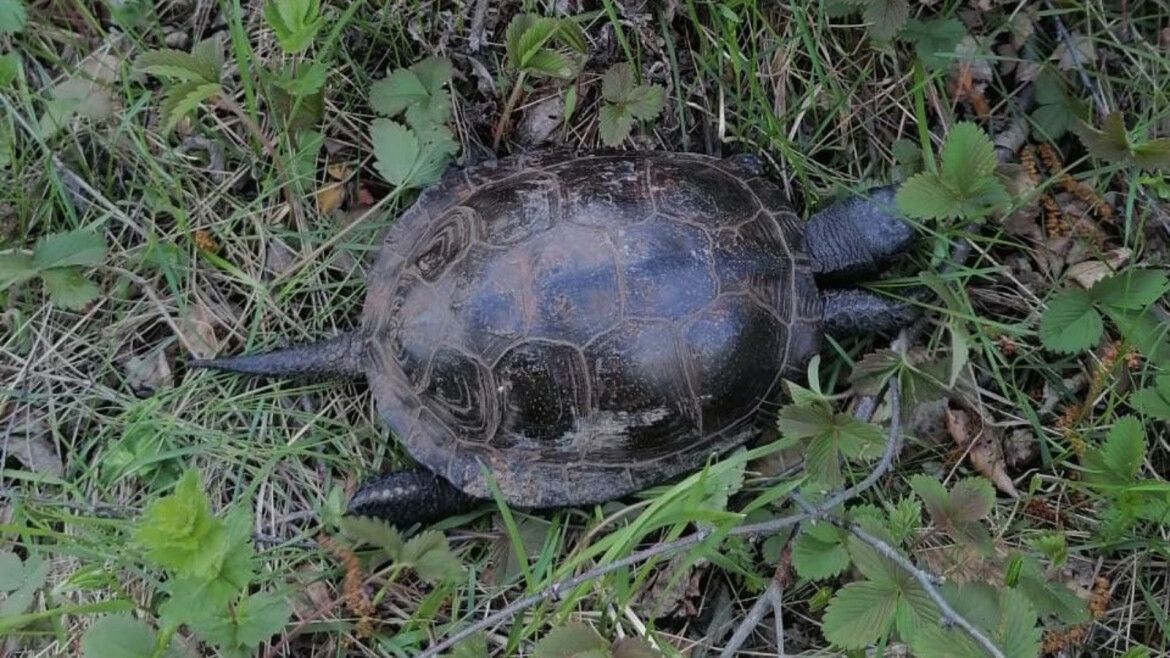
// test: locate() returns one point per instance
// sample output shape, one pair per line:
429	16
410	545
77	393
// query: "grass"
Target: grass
100	415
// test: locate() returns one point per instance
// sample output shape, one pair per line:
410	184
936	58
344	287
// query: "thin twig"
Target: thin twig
658	550
1098	98
771	598
270	150
776	596
749	623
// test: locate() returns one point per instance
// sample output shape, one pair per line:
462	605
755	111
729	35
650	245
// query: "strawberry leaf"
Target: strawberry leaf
1154	401
1071	323
80	247
819	552
1109	143
68	287
574	640
859	614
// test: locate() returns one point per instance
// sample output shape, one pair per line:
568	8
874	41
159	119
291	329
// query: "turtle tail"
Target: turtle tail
339	356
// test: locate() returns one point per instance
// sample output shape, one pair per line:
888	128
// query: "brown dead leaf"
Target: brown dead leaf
540	120
1082	53
982	443
1089	272
312	593
198	328
1019	448
147	374
669	593
330	197
31	445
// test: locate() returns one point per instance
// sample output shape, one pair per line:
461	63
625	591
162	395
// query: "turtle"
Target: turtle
580	326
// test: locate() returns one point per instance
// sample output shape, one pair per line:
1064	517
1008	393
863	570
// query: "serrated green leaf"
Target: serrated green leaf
925	196
860	614
183	98
1110	143
11	572
819	552
527	34
15	268
68	287
1049	597
959	511
613	124
81	247
208	55
1133	289
571	34
1054	119
645	102
934	40
551	63
438	147
375	532
1005	616
473	647
1154	154
295	22
13	16
905	519
1120	458
971	500
35	571
174	64
434	112
308	79
1152	401
10	68
431	558
259	617
804	421
433	73
1143	330
397	91
396	150
516	29
1071	323
1052	545
617	83
574	640
174	529
885	17
968	156
121	636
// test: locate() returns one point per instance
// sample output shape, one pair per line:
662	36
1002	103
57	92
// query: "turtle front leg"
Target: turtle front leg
404	498
856	237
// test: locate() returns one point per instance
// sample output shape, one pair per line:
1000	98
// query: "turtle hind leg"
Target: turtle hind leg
855	312
856	237
339	356
404	498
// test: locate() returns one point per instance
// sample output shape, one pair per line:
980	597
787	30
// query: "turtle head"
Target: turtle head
853	239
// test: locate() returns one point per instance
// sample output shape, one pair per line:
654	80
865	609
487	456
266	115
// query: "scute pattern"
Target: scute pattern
587	326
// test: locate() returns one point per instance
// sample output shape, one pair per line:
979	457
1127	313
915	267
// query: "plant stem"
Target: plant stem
510	105
226	103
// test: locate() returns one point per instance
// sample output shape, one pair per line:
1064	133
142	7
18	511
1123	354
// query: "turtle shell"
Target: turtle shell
582	327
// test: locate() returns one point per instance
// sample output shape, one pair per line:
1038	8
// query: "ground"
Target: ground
156	207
